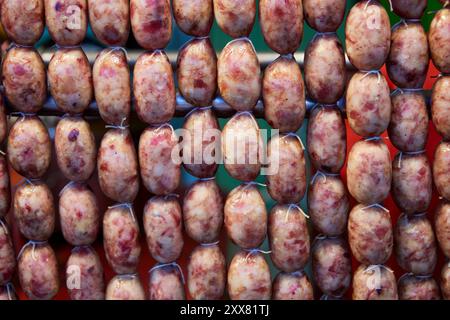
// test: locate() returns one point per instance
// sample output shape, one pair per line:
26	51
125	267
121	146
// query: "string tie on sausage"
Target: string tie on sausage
3	225
327	296
113	49
376	270
390	5
322	236
84	246
293	134
122	126
13	45
323	175
196	109
376	205
247	39
367	4
32	243
126	205
410	153
253	251
31	182
292	207
72	115
298	273
286	56
369	72
321	34
207	179
129	276
376	138
71	183
58	46
212	244
3	153
248	184
22	115
172	265
161	126
410	274
10	290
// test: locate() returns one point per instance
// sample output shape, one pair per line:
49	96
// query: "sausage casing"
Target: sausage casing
441	173
235	17
374	283
194	17
442	226
7	255
445	281
5	190
440	100
411	287
292	286
166	283
125	287
439	40
409	9
324	15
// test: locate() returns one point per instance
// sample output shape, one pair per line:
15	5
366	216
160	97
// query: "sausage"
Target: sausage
66	21
121	239
160	172
7	291
70	80
206	273
163	228
327	139
408	129
194	17
328	205
197	72
79	214
112	87
84	275
442	226
411	287
235	17
117	166
445	281
283	81
7	255
374	283
34	211
286	179
412	182
241	146
440	112
369	171
282	24
125	287
407	64
324	15
370	234
367	35
24	79
292	286
325	71
38	271
246	216
409	9
331	265
151	22
203	211
75	148
441	173
289	238
415	246
5	191
368	104
166	283
202	131
3	120
239	75
439	40
154	88
249	277
109	21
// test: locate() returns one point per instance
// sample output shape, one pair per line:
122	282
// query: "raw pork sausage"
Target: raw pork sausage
441	172
125	287
235	17
324	15
292	286
5	191
7	255
439	40
409	9
442	226
194	17
411	287
166	283
440	110
445	281
374	283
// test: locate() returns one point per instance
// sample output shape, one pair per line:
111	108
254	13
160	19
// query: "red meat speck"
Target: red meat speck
153	26
73	135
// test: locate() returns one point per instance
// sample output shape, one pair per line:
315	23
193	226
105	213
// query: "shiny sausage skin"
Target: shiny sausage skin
370	234
34	211
440	111
7	255
445	281
24	79
29	147
75	148
409	9
249	277
197	72
79	214
239	75
324	15
66	21
235	17
415	246
154	88
203	211
286	179
283	81
121	239
3	120
125	287
206	273
369	171
368	104
439	40
151	22
412	182
282	24
368	35
246	216
23	20
38	271
117	166
411	287
166	283
70	80
5	190
109	21
85	264
441	172
374	283
201	128
325	71
289	238
194	17
442	226
112	87
163	227
408	60
408	129
327	139
161	174
292	286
